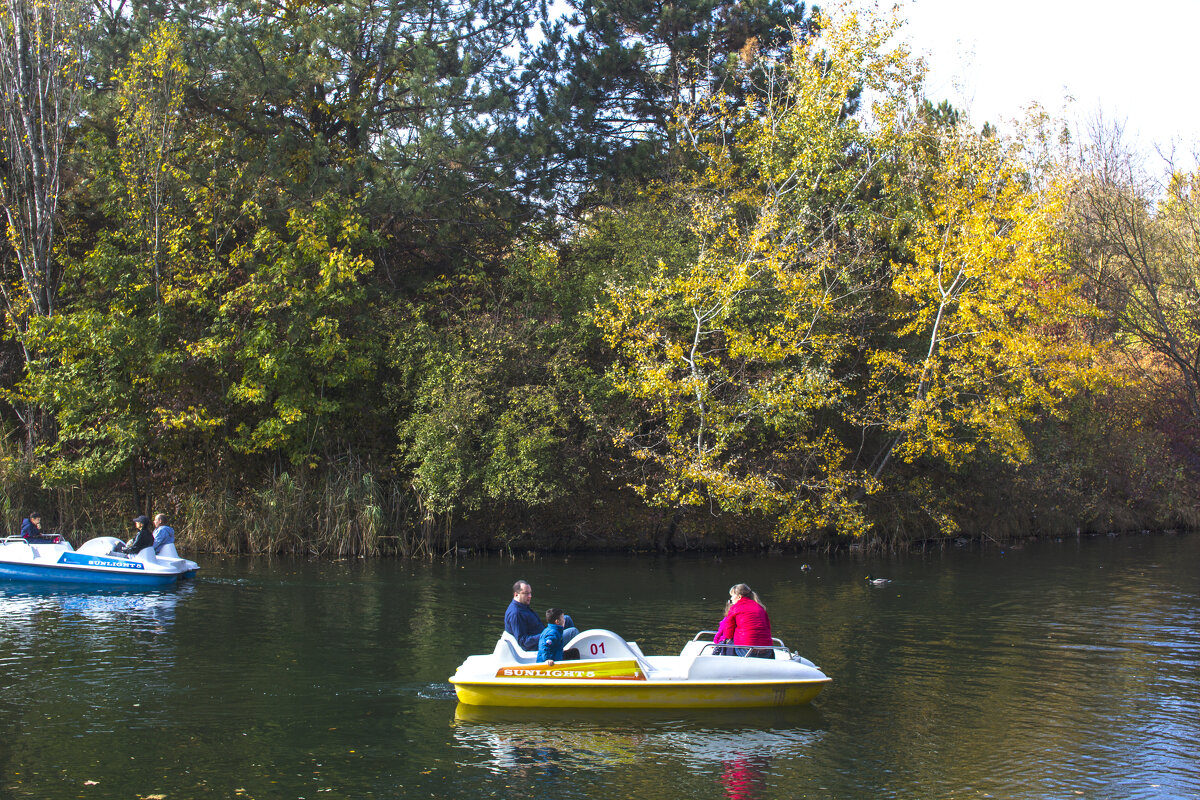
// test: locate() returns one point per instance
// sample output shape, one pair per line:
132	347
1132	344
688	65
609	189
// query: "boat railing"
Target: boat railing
711	645
45	538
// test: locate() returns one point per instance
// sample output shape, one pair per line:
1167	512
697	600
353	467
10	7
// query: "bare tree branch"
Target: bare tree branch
39	93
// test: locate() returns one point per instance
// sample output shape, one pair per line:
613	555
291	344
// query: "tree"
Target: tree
109	363
1138	246
865	282
611	76
739	356
400	103
491	426
284	339
40	57
989	320
150	92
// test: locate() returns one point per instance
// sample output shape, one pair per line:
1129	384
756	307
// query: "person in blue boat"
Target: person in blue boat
550	643
163	533
142	539
31	526
523	622
31	529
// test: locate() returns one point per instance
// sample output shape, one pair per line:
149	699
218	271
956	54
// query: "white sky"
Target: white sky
1135	63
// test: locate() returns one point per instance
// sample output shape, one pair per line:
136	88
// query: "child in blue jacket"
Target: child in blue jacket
550	643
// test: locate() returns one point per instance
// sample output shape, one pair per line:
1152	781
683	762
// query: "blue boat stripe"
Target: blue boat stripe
82	560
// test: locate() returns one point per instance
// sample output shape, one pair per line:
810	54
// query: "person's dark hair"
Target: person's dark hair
35	515
553	615
517	586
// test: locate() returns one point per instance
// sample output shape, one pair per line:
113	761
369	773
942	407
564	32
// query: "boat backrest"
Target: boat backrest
508	650
147	556
168	551
598	643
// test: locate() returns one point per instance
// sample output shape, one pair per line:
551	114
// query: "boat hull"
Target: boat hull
646	694
101	577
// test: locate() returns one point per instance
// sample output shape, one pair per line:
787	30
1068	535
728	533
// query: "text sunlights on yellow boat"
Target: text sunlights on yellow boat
603	671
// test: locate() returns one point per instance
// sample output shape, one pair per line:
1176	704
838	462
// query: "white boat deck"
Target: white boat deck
697	661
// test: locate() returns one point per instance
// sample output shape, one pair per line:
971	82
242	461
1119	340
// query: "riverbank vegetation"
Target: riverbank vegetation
393	277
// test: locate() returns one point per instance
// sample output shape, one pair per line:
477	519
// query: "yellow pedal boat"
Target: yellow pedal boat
613	673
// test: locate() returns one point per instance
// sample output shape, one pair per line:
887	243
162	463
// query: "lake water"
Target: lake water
1058	670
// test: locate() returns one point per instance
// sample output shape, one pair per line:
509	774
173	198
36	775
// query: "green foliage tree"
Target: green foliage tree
493	423
283	340
107	364
610	77
201	322
400	103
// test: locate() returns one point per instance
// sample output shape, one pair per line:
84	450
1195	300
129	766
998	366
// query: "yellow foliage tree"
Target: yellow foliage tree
736	356
987	315
856	289
150	96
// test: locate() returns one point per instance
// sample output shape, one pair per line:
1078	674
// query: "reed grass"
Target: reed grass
20	490
344	510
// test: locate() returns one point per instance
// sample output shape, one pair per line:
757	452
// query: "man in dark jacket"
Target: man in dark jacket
523	622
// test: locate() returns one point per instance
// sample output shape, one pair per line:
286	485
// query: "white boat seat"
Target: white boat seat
168	552
508	650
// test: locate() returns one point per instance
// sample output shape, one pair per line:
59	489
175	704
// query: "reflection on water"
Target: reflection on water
502	738
23	604
543	743
744	777
78	661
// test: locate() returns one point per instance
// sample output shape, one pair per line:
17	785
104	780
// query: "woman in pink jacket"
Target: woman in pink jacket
746	624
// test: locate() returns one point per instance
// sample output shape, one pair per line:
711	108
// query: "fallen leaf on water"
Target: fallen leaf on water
90	783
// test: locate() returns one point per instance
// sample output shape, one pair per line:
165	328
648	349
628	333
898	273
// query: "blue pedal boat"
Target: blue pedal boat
96	562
